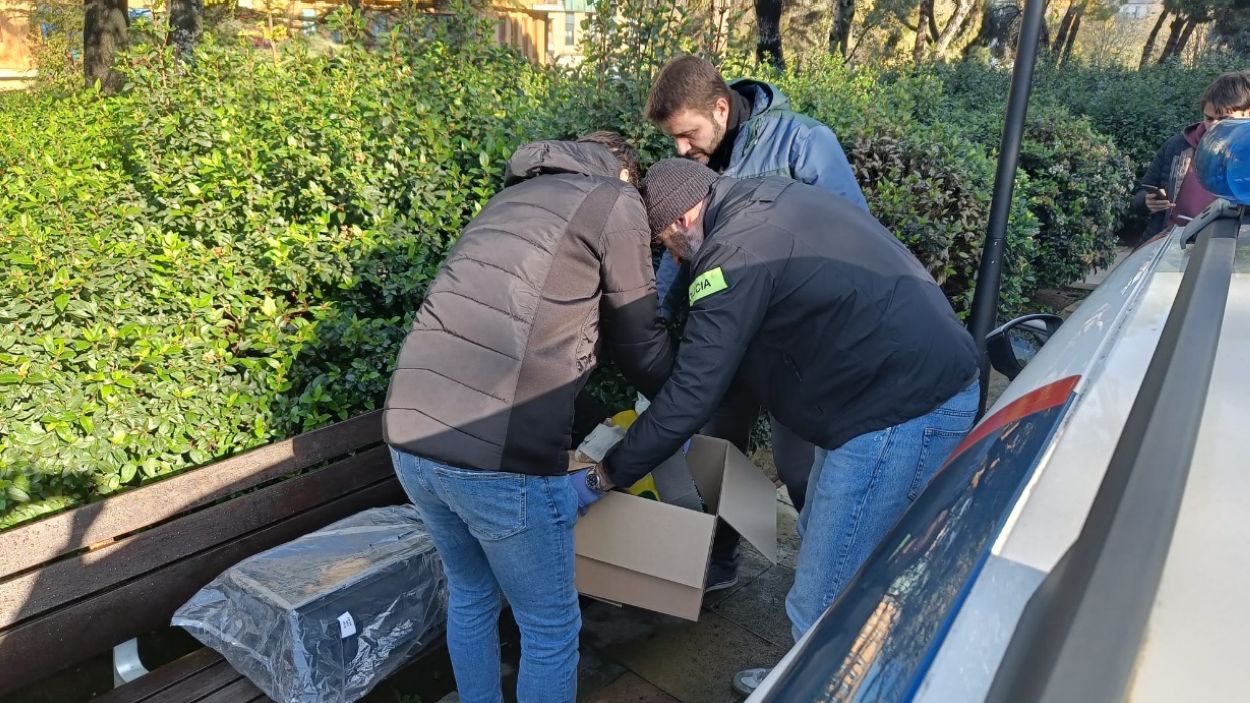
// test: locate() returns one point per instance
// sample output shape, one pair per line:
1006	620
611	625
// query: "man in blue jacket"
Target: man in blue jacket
744	129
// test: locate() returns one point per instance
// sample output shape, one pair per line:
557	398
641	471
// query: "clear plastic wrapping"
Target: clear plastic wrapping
324	618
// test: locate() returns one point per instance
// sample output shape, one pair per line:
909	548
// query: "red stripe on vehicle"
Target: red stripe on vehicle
1044	398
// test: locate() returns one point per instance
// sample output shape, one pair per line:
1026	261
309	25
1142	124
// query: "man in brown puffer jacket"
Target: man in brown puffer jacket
480	407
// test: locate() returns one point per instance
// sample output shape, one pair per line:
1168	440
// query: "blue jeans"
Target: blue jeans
497	530
858	492
670	279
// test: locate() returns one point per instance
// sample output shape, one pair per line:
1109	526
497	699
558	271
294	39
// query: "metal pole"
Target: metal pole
989	275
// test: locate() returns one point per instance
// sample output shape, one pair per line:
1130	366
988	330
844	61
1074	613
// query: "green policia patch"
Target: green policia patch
710	282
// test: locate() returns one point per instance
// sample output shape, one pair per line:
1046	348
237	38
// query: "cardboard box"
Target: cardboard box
655	555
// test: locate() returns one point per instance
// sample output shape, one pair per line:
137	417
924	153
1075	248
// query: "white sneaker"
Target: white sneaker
746	681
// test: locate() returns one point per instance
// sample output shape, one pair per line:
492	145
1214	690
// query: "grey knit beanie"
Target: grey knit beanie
671	188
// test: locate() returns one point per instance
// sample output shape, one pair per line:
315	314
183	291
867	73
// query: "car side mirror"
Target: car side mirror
1012	346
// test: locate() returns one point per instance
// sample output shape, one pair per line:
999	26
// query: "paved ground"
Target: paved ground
649	657
635	656
641	657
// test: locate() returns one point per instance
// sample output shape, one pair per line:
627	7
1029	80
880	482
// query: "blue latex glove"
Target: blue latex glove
585	496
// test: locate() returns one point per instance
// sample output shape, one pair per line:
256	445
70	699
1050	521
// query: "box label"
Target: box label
347	626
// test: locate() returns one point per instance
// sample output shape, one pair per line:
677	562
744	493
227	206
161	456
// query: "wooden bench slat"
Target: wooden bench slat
24	547
196	687
166	676
241	691
32	593
70	634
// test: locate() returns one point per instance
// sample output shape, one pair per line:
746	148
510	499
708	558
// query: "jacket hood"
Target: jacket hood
764	97
549	157
1193	133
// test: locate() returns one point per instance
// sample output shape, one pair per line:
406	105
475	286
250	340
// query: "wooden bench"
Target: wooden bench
75	585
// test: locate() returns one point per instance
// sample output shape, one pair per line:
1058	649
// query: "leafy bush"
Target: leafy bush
940	213
927	183
1139	110
227	256
1079	182
1079	187
231	252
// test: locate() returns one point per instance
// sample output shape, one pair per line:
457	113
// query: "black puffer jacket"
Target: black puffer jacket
512	325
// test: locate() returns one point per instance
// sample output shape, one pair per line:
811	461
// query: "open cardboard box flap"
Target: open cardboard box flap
647	537
736	491
655	555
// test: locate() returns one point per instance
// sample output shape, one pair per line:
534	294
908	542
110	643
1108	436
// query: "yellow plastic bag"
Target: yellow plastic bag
624	419
645	486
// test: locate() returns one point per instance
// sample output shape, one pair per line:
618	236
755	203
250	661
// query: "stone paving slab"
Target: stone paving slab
694	662
787	530
629	688
595	674
760	607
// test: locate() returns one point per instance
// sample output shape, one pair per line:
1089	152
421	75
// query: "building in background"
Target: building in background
16	68
566	31
546	32
1140	9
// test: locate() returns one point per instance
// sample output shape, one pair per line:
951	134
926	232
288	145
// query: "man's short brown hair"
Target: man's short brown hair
685	83
620	148
1229	92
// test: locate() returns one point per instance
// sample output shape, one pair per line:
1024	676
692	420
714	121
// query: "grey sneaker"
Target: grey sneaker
746	681
721	576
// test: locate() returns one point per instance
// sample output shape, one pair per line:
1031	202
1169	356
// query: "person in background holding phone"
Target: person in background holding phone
1170	192
1156	199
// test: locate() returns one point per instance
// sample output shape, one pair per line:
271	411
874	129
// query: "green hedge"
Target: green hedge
231	253
927	181
1138	110
1078	185
225	257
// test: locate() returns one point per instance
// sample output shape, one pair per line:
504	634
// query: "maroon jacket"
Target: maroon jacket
1190	197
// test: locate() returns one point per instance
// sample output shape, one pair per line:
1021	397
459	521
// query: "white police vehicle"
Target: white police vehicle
1089	541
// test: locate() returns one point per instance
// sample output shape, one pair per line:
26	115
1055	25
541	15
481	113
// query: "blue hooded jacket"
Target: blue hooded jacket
775	141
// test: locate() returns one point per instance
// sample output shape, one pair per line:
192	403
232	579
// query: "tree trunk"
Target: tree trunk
955	27
922	30
1150	40
970	20
934	32
1065	26
1066	51
103	35
840	33
1174	37
186	24
768	41
1185	35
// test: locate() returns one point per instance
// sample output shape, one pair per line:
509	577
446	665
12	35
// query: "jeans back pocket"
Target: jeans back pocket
936	444
491	503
